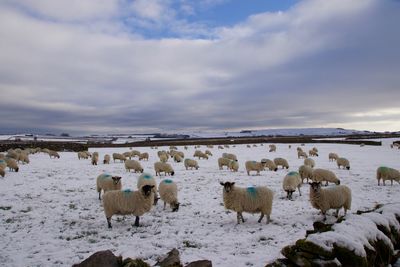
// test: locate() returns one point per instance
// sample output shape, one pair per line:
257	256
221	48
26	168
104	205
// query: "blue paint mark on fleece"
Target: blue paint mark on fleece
2	161
252	191
127	192
147	176
105	176
168	181
293	173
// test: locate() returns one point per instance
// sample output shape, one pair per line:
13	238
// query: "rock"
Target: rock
170	260
103	258
200	263
310	247
128	262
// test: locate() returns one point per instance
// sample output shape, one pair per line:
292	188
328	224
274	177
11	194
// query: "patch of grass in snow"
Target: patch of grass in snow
5	207
190	244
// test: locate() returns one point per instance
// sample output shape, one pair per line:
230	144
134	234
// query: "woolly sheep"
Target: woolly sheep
163	167
3	166
117	202
191	163
45	150
229	156
254	166
272	148
333	156
313	153
210	146
12	164
290	182
173	148
305	171
319	175
208	153
135	153
223	162
148	179
54	154
315	149
281	162
95	158
233	166
12	154
23	157
252	199
127	154
106	159
335	197
343	162
299	149
269	164
302	154
119	156
163	157
107	182
144	156
200	154
248	146
169	194
386	173
2	172
177	158
82	155
309	162
131	164
2	156
159	153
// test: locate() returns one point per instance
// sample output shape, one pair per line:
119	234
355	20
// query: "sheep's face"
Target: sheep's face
348	167
228	186
116	179
315	187
147	189
175	206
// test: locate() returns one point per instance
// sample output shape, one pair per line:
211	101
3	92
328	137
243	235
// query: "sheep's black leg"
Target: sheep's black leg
165	204
137	221
268	219
241	215
238	217
99	195
109	222
261	217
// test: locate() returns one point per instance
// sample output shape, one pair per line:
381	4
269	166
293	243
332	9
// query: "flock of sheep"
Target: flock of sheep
255	199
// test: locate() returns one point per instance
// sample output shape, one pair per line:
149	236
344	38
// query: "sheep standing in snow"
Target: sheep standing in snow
269	164
272	148
106	159
169	194
252	165
309	162
127	154
163	157
229	156
281	162
291	181
313	153
200	154
126	202
335	197
119	156
23	157
12	164
343	162
191	163
177	158
135	153
252	199
386	173
107	182
95	158
233	166
160	167
148	179
208	153
3	166
54	154
131	164
223	162
82	155
301	154
144	156
333	156
319	175
305	171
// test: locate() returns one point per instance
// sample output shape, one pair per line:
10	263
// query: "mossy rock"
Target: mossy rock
291	253
128	262
348	257
384	254
281	263
310	247
319	227
324	263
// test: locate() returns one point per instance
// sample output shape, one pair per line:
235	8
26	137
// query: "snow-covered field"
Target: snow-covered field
51	216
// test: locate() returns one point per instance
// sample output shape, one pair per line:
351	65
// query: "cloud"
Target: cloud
318	64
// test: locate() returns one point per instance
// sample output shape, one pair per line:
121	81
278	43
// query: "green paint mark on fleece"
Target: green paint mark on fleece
105	176
252	191
147	176
168	181
2	161
127	192
293	173
383	169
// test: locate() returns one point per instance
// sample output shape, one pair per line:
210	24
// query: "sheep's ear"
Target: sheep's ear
232	183
221	183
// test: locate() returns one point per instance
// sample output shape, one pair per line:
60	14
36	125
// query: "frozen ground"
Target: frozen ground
50	214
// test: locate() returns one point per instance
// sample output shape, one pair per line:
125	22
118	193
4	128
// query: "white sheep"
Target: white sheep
305	171
302	154
177	158
135	153
54	154
272	148
386	173
95	158
127	154
333	156
252	165
319	175
299	149
233	166
335	197
200	154
223	162
309	162
131	164
163	157
208	153
163	167
3	166
82	155
248	146
291	181
191	163
12	164
229	156
107	182
106	159
148	179
269	164
117	202
252	199
281	162
12	154
343	162
23	157
144	156
313	153
169	194
119	156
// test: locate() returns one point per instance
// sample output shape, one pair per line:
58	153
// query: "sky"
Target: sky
139	66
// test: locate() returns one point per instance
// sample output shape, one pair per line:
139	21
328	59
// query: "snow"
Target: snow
51	216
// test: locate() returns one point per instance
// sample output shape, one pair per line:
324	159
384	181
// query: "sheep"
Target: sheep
177	158
12	164
173	148
281	162
229	156
272	148
169	194
148	179
299	149
106	159
23	157
309	162
191	163
223	162
302	154
2	156
95	158
254	166
315	149
200	154
386	173
119	156
159	153
45	150
163	167
3	166
226	146
319	175
289	146
313	153
127	154
269	164
144	156
208	153
210	146
333	156
12	154
335	197
291	181
2	172
163	157
248	146
135	153
220	147
233	166
82	155
107	182
252	199
343	162
117	202
131	164
305	171
54	154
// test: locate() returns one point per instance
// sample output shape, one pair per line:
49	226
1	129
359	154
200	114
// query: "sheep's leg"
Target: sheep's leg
165	204
326	184
238	218
379	182
383	181
261	217
137	221
109	222
299	190
241	215
337	213
268	218
391	182
99	195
